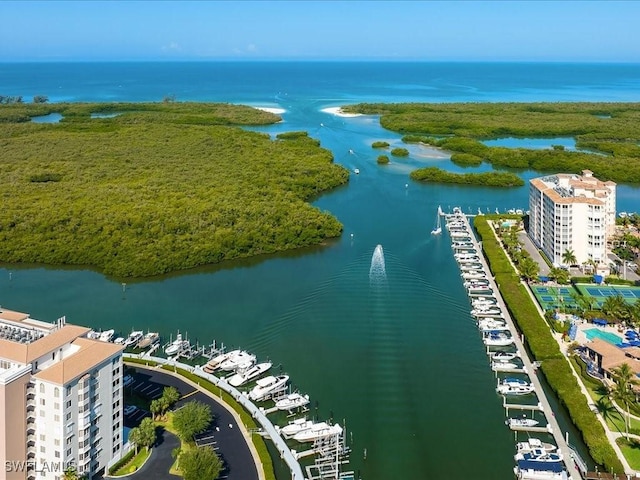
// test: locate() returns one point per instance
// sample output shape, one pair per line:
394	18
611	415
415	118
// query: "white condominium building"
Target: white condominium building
60	399
572	212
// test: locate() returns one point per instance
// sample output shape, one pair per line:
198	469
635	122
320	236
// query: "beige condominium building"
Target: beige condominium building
60	399
572	212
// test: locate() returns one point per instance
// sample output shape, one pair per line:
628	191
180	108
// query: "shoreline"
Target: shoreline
274	110
338	112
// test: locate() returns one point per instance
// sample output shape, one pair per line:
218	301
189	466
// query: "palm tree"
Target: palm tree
622	391
569	257
529	269
560	275
616	307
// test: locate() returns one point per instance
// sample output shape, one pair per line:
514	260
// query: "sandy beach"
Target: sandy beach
277	111
337	111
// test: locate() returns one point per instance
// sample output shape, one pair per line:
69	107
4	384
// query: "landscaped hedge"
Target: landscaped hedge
123	461
544	348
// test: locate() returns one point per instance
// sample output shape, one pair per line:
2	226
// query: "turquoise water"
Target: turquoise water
606	336
51	118
532	143
400	361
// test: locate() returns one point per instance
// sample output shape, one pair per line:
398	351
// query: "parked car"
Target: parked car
127	380
129	409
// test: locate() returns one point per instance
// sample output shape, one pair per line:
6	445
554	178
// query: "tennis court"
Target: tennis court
602	292
554	297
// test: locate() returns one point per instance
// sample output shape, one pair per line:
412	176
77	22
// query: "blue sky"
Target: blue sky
602	31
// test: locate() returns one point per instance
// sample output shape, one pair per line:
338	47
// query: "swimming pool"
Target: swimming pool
606	336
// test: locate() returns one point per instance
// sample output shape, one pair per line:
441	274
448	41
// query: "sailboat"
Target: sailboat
437	230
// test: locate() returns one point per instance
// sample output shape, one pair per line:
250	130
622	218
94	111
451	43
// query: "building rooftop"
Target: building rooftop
89	354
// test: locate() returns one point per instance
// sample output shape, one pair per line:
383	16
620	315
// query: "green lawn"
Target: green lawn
136	462
631	451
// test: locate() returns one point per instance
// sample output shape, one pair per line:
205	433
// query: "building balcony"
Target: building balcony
31	450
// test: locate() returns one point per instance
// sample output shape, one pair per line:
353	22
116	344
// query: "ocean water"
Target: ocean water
398	359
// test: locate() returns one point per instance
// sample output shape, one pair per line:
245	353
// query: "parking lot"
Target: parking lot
223	436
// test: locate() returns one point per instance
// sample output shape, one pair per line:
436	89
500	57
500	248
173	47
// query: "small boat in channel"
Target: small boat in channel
266	386
243	377
437	229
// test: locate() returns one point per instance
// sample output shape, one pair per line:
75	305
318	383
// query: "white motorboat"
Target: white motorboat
479	290
486	312
460	234
295	427
474	275
489	323
267	385
504	356
240	360
503	366
356	171
540	456
476	283
215	362
497	339
149	339
119	341
243	377
521	422
177	346
318	431
437	229
514	386
488	329
534	444
292	401
133	338
530	471
484	302
93	335
107	335
471	267
475	260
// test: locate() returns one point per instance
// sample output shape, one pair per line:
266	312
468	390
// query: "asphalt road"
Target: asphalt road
223	435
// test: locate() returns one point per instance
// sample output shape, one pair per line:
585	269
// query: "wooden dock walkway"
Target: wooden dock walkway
528	363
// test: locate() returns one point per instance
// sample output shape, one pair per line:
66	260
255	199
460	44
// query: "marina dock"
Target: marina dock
543	405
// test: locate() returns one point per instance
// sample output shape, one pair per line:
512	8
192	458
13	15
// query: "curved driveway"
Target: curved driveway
229	440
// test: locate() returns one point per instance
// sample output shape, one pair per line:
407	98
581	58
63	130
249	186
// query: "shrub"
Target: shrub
400	152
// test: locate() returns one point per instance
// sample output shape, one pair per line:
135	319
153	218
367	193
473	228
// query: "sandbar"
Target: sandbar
277	111
338	111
